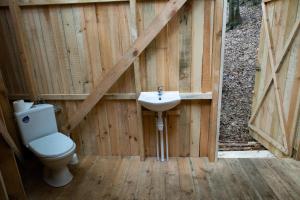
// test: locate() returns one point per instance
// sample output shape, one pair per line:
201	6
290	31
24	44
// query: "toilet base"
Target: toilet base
57	177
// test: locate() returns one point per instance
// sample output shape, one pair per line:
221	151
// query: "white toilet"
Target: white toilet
39	133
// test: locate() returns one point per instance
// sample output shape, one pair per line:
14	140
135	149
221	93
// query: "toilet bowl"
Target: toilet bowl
55	151
40	134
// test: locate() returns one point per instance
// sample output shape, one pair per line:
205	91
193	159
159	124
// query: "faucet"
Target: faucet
159	90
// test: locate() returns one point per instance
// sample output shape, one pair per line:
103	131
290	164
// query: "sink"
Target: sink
159	101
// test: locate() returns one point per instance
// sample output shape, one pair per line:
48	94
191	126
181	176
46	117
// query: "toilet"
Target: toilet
55	150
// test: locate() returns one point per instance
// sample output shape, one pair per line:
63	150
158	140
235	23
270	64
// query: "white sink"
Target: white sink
159	103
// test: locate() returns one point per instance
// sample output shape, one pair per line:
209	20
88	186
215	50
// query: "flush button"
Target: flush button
25	119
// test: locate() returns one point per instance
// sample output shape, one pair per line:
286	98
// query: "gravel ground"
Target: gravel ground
239	76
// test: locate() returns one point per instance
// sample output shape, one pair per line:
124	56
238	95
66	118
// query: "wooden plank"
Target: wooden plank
279	105
196	73
3	192
280	188
112	178
204	129
186	182
110	96
7	137
61	2
257	180
196	96
286	173
10	173
122	65
172	180
201	183
137	78
107	96
216	67
16	15
4	3
269	138
130	185
242	179
277	68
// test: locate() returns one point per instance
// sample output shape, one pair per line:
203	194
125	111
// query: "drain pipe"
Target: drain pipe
160	127
167	141
157	141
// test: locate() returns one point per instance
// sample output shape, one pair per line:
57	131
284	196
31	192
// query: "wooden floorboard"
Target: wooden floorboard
179	178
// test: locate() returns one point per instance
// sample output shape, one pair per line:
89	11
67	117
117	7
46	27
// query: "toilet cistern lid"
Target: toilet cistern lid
53	145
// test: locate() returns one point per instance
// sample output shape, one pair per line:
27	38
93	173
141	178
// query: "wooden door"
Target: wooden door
276	101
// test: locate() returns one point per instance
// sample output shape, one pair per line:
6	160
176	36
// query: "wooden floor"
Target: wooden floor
179	178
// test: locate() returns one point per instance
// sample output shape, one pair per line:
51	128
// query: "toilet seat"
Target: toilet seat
52	146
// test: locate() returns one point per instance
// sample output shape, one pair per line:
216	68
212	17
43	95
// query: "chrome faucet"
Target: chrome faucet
159	90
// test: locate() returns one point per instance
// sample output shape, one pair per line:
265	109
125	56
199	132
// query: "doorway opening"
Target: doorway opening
240	58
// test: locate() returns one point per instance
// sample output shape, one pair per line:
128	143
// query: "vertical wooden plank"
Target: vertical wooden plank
144	179
149	15
130	185
30	35
204	128
104	132
157	182
113	118
72	49
6	116
3	192
185	62
172	180
133	129
16	15
41	52
137	79
216	66
173	53
84	56
201	183
93	41
206	74
50	49
10	173
186	181
196	74
6	55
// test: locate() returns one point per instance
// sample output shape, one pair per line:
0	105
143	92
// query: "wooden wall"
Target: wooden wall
70	46
278	120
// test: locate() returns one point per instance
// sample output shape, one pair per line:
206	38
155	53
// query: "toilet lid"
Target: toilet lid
52	145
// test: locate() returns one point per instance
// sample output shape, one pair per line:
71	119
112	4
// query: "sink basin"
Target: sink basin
159	103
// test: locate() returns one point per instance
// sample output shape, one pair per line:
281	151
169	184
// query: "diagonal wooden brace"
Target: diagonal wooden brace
124	62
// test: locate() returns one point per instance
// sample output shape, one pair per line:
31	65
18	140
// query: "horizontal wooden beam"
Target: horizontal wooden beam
4	3
196	96
108	96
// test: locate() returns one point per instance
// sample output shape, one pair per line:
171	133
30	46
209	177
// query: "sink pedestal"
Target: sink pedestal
160	131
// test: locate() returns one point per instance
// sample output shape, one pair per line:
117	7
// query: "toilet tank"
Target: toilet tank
36	122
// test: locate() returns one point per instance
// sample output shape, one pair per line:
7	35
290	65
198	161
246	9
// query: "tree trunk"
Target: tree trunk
234	14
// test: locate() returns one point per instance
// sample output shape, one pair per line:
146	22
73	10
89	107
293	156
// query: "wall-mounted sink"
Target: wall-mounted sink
159	101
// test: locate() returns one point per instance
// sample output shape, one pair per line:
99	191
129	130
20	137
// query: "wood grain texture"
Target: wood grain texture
10	173
177	179
73	46
277	102
112	75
